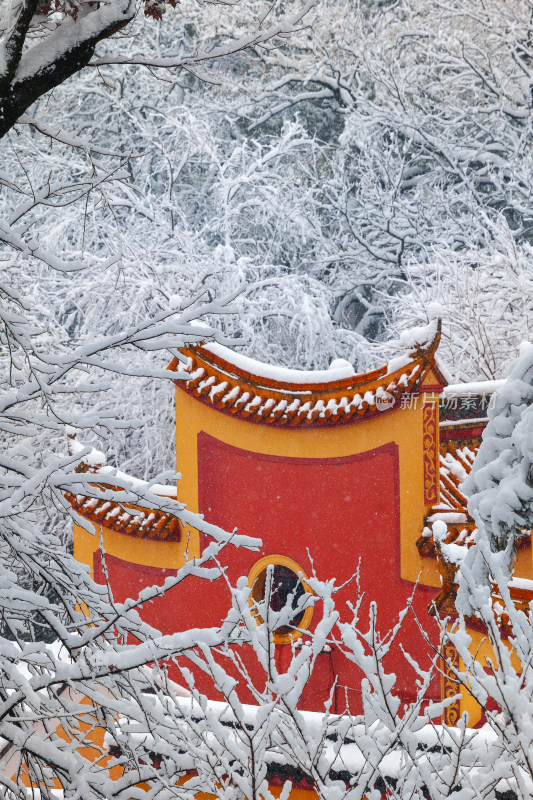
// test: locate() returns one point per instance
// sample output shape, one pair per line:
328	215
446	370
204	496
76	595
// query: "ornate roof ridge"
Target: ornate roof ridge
227	386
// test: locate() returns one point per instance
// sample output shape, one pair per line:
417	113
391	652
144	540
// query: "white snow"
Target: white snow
441	366
525	584
474	388
435	310
94	458
340	363
454	466
159	489
281	374
454	553
399	362
412	337
449	423
452	517
69	34
175	300
97	460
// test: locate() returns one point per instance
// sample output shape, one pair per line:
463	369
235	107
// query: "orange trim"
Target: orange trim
449	685
433	388
261	566
431	465
449	487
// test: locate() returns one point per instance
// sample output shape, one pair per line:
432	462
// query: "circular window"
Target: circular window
279	581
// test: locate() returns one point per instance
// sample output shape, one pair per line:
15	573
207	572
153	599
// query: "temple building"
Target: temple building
338	473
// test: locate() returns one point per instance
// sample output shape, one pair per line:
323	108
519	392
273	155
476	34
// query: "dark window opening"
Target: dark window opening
282	584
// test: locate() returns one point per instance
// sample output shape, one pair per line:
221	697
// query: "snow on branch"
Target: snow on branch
257	38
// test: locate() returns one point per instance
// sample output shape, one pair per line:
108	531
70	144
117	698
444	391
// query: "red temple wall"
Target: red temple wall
342	511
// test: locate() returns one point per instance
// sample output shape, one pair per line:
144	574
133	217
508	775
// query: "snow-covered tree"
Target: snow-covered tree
391	749
500	494
405	183
391	144
53	695
500	485
483	296
373	200
427	107
45	42
500	681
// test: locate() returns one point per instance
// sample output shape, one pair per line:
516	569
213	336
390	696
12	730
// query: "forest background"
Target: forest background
369	172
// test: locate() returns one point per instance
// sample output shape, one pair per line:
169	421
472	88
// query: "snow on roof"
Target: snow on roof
88	455
456	461
523	584
159	489
455	466
443	369
127	518
280	374
419	336
95	461
345	740
474	388
242	386
460	423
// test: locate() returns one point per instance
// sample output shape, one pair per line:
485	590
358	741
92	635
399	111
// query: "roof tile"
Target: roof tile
229	388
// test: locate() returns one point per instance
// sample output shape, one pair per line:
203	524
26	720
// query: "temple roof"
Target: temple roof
126	518
463	417
130	520
251	390
455	466
463	410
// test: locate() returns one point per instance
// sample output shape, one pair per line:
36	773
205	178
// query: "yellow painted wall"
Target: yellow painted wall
482	649
148	552
93	749
523	568
402	426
